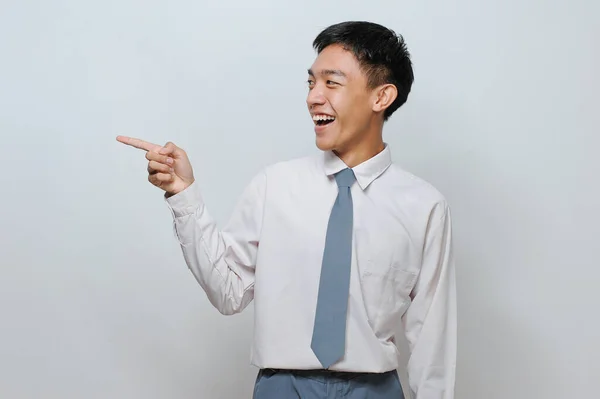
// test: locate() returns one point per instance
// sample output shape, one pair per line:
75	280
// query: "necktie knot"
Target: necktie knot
345	178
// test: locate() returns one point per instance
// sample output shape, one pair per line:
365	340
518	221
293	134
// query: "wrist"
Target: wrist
178	190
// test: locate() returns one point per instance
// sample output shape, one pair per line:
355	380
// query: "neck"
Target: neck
357	154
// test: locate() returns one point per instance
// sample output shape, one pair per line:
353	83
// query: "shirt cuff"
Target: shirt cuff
186	202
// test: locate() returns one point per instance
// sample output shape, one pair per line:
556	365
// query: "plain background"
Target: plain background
95	298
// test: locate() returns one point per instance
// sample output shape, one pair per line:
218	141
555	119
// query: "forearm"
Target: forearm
221	263
432	365
431	320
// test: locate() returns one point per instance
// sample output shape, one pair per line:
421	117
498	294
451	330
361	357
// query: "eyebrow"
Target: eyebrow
328	72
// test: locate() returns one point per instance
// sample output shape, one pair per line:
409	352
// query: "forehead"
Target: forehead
334	57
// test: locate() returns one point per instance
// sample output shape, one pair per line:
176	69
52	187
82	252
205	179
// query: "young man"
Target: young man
336	250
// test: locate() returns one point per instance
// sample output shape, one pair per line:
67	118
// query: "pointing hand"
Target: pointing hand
168	166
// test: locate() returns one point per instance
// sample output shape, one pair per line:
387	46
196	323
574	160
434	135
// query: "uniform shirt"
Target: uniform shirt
270	252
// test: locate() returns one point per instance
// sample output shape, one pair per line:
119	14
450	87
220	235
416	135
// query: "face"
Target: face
339	101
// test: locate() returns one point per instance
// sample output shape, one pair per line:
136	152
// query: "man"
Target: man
336	250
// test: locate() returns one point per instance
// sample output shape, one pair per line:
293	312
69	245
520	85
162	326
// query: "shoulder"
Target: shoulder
415	192
405	180
292	168
282	173
298	164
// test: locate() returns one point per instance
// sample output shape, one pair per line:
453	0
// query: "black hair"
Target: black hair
381	53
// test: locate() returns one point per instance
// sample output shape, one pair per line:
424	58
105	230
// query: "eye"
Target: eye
331	82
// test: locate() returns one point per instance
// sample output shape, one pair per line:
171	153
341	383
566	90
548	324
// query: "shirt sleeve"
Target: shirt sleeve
431	321
222	261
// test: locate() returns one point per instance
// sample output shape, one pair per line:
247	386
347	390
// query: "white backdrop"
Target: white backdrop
95	298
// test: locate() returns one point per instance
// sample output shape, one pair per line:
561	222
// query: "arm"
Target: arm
430	322
222	261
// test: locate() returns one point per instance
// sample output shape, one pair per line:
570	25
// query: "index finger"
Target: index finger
137	143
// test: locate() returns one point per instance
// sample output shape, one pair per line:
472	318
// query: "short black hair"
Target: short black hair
381	53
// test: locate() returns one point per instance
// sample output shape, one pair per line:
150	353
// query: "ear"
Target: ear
384	97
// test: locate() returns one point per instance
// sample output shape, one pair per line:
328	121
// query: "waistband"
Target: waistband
323	375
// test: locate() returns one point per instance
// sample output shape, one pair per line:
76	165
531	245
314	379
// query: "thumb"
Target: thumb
170	149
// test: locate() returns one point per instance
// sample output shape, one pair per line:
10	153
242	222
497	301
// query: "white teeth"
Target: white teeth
323	118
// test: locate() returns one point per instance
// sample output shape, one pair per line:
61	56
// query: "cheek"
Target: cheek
352	108
344	105
356	109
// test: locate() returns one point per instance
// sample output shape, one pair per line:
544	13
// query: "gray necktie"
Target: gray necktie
329	334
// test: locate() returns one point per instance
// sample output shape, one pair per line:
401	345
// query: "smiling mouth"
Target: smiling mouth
322	120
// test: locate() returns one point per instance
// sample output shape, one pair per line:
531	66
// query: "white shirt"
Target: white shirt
271	251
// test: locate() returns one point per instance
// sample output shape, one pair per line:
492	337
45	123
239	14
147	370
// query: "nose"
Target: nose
315	97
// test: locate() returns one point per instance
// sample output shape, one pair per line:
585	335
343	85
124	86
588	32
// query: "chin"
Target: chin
324	145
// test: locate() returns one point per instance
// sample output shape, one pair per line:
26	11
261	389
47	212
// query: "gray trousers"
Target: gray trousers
323	384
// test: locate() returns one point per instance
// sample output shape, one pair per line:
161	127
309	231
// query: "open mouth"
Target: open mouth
322	120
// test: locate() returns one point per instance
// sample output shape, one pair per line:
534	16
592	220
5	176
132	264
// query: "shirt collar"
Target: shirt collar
365	172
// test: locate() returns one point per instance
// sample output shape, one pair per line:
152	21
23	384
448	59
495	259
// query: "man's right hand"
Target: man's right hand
168	166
